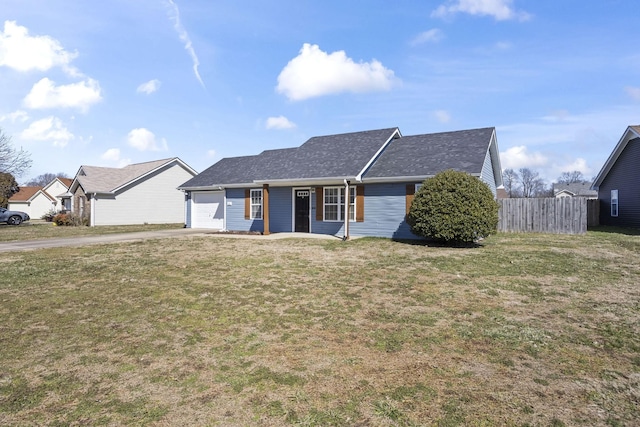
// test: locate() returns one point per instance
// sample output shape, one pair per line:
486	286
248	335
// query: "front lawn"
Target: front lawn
528	330
47	230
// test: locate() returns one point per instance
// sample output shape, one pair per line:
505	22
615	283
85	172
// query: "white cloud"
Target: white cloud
431	36
22	52
520	157
211	153
81	95
442	116
501	10
112	155
48	129
578	164
280	122
633	92
184	38
16	116
149	87
316	73
144	140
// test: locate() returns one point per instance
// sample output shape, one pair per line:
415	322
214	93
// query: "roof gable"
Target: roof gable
369	155
65	182
24	194
28	194
631	133
426	155
331	156
96	179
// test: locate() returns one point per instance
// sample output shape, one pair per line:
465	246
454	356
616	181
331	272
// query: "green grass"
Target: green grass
47	230
524	330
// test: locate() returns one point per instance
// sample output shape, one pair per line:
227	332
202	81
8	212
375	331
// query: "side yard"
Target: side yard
528	330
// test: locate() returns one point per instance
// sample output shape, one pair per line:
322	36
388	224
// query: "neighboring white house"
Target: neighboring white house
576	189
38	201
32	200
141	193
58	188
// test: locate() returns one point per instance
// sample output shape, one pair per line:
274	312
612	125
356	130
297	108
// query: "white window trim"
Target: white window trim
340	204
252	205
615	202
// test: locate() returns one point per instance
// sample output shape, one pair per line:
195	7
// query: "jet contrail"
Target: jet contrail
184	37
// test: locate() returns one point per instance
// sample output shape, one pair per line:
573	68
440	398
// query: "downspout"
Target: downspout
92	215
346	210
187	220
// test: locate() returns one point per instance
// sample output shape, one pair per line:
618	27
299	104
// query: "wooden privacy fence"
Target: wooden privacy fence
563	215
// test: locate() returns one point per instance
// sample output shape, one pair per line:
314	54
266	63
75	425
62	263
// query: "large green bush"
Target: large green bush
453	207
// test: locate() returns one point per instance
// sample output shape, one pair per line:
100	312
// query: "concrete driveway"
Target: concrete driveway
26	245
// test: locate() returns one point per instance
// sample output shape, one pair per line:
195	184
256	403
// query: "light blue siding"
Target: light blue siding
333	228
487	173
384	213
280	207
235	213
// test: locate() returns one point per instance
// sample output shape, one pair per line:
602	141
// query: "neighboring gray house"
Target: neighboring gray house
303	189
141	193
575	189
618	183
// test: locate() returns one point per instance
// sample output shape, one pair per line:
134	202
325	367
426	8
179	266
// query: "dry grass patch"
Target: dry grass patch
526	330
47	230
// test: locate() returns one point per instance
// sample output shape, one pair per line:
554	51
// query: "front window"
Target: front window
334	209
256	204
614	202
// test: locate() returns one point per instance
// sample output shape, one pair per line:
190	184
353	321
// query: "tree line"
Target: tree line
526	182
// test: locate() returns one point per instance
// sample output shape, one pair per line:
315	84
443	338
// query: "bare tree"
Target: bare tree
13	162
511	182
573	177
532	184
45	178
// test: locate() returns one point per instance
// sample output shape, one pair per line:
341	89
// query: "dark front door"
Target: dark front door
303	202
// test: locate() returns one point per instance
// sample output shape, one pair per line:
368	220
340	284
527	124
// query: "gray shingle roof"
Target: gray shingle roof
426	155
331	156
576	188
346	155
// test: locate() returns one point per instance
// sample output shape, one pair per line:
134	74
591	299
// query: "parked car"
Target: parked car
13	217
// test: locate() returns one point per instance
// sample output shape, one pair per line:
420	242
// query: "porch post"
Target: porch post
347	199
265	209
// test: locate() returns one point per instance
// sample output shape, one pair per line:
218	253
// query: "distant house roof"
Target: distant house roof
27	194
96	179
632	132
363	156
501	193
577	189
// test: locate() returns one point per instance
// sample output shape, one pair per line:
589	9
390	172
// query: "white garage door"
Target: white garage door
208	210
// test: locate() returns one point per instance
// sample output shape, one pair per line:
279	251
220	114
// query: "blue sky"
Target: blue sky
118	81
